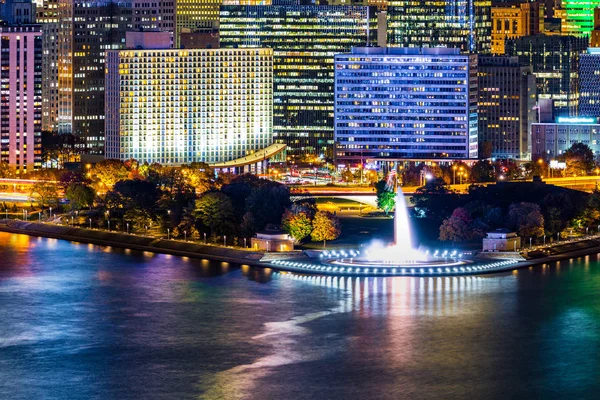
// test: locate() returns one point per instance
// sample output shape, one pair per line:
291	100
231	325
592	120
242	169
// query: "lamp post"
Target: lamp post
530	242
50	212
587	231
558	236
128	228
168	234
72	221
204	237
244	242
185	236
544	240
224	240
90	223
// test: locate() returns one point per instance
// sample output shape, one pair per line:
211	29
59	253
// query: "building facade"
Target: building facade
465	24
589	83
405	103
21	96
511	21
555	63
506	106
47	16
550	140
579	16
179	106
87	30
304	40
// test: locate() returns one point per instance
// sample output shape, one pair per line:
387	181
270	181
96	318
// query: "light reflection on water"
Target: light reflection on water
79	321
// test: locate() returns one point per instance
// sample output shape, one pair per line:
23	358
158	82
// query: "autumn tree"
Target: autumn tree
579	159
386	198
527	219
298	225
199	175
108	172
80	195
457	227
215	211
45	193
326	226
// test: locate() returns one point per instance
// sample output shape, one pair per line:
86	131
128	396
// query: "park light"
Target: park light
428	177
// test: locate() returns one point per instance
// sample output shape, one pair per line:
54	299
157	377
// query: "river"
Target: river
79	321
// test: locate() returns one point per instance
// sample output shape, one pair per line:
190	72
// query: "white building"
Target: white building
405	103
179	106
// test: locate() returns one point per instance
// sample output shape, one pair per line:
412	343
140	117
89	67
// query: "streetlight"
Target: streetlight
72	221
244	242
185	236
224	240
128	228
50	212
204	237
454	174
168	234
587	231
544	240
530	242
90	223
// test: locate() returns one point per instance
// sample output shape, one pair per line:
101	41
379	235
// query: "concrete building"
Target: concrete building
180	106
47	16
555	64
551	139
272	240
511	21
506	106
17	12
589	83
21	96
502	240
446	23
405	103
304	40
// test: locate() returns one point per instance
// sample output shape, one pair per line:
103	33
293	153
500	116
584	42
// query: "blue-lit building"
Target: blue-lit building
589	83
405	104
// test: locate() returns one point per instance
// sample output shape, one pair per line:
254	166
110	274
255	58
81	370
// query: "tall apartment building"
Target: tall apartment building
465	24
589	83
555	63
506	106
86	31
405	103
180	106
304	40
511	21
21	96
196	16
154	15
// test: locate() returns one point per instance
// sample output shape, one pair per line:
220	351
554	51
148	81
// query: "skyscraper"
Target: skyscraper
511	21
405	103
21	101
465	24
86	31
506	106
180	106
579	16
589	83
304	40
555	63
47	16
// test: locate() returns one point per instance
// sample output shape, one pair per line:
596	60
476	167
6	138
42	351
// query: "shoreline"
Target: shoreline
133	242
249	257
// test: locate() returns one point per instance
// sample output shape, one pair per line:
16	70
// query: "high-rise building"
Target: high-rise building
405	103
86	31
511	21
579	16
21	100
47	16
506	106
555	63
595	34
465	24
17	12
304	40
155	15
180	106
589	83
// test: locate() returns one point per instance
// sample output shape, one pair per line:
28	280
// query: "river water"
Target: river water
79	321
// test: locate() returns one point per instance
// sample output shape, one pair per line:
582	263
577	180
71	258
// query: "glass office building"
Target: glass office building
465	24
579	16
179	106
405	104
589	83
304	40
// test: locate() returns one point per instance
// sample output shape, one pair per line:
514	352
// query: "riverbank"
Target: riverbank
133	242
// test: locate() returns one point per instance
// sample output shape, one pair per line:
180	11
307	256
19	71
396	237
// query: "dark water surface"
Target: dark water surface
85	322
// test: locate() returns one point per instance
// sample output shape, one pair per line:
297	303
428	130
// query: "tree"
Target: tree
482	171
45	193
199	175
527	219
80	195
267	204
298	225
456	228
215	211
386	198
326	226
579	158
108	172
